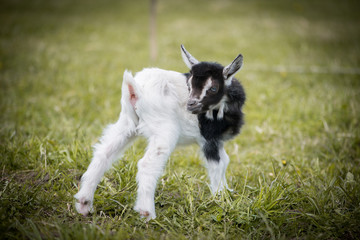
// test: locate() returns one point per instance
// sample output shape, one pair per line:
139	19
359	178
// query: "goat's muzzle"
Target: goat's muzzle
194	106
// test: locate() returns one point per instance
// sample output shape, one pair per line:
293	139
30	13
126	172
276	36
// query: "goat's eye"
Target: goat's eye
213	89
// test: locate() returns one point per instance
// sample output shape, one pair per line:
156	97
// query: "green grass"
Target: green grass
295	167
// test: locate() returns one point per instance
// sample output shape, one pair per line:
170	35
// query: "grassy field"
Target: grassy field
295	167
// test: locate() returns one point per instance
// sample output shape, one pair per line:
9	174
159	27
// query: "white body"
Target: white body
157	112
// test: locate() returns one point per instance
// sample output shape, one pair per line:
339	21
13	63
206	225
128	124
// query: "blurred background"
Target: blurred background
70	56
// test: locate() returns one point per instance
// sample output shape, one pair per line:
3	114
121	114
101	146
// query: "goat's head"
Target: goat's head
208	81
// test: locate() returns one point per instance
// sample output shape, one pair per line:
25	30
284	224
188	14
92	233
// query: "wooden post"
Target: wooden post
153	44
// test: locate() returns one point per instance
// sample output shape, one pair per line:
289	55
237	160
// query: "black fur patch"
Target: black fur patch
207	69
211	150
215	131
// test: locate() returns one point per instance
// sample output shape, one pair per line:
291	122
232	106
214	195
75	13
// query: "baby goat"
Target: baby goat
170	108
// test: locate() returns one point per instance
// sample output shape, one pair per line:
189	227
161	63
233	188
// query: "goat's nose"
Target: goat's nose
191	103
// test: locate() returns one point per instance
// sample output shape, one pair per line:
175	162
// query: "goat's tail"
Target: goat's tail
130	96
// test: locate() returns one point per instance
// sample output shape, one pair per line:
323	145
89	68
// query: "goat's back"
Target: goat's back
162	102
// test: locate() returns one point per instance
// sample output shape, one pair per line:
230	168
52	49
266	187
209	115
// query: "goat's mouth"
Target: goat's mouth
195	109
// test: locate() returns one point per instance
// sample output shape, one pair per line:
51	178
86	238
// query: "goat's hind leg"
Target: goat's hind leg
115	139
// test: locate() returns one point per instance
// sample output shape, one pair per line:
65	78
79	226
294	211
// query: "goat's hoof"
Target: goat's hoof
148	215
83	206
144	213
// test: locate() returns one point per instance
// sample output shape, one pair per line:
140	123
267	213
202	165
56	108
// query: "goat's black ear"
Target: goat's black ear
188	59
231	69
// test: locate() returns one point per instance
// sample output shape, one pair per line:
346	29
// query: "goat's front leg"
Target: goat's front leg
217	170
150	168
115	139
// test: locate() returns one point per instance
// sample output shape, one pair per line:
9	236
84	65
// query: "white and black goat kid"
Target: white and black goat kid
170	108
